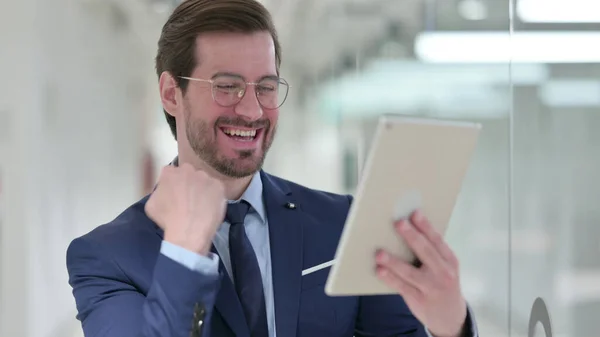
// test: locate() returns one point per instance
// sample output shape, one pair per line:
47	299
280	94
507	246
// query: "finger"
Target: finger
403	288
420	245
165	173
401	269
152	210
424	226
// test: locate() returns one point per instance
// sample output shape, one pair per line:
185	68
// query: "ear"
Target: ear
170	94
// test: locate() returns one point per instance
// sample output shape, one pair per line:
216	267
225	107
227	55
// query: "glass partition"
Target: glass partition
431	59
526	223
555	254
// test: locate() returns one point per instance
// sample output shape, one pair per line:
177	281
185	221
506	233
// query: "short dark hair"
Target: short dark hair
191	18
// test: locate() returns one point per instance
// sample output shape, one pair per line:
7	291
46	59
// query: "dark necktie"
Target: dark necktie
246	273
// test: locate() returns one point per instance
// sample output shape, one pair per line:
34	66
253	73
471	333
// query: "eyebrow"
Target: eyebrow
230	74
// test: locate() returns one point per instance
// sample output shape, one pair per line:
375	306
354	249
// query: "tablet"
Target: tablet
413	163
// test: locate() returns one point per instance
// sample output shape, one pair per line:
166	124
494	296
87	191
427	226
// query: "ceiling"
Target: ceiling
322	38
325	39
316	35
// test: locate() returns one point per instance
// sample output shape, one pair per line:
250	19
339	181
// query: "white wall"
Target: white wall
307	149
73	91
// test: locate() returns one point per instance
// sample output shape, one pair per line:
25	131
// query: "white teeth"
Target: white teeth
240	133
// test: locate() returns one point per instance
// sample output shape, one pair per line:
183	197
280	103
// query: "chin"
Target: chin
239	167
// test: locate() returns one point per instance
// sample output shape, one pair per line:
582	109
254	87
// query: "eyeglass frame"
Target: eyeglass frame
212	81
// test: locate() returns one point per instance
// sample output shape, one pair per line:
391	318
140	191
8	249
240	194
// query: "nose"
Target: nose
249	107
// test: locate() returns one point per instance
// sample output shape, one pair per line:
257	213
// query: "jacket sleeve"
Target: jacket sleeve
179	302
386	315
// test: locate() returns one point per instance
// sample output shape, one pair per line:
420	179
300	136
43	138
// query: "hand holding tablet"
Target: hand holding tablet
393	240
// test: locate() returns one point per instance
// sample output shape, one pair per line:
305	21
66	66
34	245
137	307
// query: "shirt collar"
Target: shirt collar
253	195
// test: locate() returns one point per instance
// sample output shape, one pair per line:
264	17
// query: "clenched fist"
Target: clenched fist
189	206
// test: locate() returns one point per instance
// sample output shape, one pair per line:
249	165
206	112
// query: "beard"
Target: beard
202	137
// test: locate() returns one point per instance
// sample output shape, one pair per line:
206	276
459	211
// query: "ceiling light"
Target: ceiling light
559	11
500	47
569	93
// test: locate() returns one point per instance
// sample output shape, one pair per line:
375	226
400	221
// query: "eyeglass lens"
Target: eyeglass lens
271	93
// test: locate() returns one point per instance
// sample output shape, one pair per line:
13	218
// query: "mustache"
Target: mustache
238	121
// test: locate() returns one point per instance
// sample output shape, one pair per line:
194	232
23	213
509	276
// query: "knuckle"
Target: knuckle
422	245
149	206
410	237
417	237
411	273
403	269
448	277
166	171
151	209
419	297
436	237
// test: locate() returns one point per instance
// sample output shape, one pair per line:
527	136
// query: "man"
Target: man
218	248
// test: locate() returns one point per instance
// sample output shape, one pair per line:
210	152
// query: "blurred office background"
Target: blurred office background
82	135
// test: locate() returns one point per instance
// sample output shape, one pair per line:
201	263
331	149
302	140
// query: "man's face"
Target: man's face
233	140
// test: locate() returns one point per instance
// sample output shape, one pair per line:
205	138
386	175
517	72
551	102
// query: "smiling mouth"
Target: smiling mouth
241	135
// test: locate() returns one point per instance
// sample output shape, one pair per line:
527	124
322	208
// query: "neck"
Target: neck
234	187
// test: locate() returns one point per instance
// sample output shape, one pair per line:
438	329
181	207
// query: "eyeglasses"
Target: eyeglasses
227	91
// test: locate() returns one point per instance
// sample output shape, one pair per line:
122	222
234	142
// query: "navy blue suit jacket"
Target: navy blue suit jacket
124	287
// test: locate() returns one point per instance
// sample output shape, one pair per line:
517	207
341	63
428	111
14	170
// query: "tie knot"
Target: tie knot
237	212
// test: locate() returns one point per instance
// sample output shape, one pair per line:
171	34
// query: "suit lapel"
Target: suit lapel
285	237
228	303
